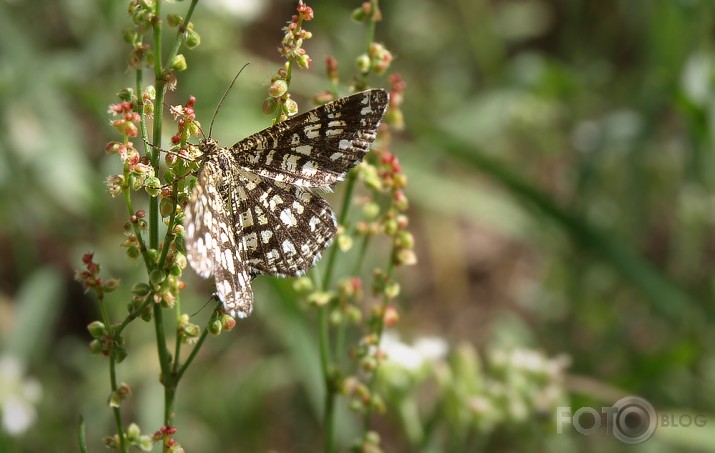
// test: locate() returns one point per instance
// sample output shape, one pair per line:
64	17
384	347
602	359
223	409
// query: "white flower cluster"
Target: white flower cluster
18	396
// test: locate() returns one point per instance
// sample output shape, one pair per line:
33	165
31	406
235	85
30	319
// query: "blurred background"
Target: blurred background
561	168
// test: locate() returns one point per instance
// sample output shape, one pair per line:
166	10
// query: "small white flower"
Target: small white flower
18	395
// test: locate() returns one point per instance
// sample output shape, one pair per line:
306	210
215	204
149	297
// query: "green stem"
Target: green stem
135	226
140	106
169	238
117	413
82	435
380	330
361	254
329	414
181	32
349	187
133	315
323	327
195	351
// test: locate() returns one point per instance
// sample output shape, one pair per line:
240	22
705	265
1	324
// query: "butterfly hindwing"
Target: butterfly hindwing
316	148
284	228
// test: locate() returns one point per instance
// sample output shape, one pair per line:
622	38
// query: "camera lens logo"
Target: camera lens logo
633	421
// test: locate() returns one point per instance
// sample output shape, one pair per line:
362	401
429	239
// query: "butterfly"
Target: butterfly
254	209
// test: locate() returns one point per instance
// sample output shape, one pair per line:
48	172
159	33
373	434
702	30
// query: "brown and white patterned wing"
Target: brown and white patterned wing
284	228
316	148
212	242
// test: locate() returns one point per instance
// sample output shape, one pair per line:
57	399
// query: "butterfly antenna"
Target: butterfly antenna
214	296
223	98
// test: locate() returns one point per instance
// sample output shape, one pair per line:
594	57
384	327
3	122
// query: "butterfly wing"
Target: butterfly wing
316	148
213	242
284	228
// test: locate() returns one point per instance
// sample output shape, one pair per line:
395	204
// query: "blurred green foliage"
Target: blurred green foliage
562	165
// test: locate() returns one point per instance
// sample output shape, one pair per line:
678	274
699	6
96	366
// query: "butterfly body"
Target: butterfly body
253	210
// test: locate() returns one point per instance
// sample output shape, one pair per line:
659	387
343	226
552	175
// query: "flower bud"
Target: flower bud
304	61
95	347
126	94
345	242
291	107
269	106
178	63
96	329
363	63
215	326
319	298
157	276
192	39
227	322
278	88
303	284
133	432
133	252
173	20
392	290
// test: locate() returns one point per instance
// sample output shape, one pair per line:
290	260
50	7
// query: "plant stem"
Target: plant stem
329	414
117	413
380	330
324	328
82	435
349	187
193	354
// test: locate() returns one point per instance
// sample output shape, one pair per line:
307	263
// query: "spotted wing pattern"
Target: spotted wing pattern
211	245
284	228
317	148
253	212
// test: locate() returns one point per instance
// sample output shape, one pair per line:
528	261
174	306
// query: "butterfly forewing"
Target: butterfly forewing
317	148
252	211
211	243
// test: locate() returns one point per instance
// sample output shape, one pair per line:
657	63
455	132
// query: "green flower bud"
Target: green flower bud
405	240
392	290
96	329
129	35
133	252
215	326
157	276
145	443
192	39
133	432
95	347
153	255
303	284
166	207
363	63
319	298
303	61
371	210
178	63
141	289
126	94
345	242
